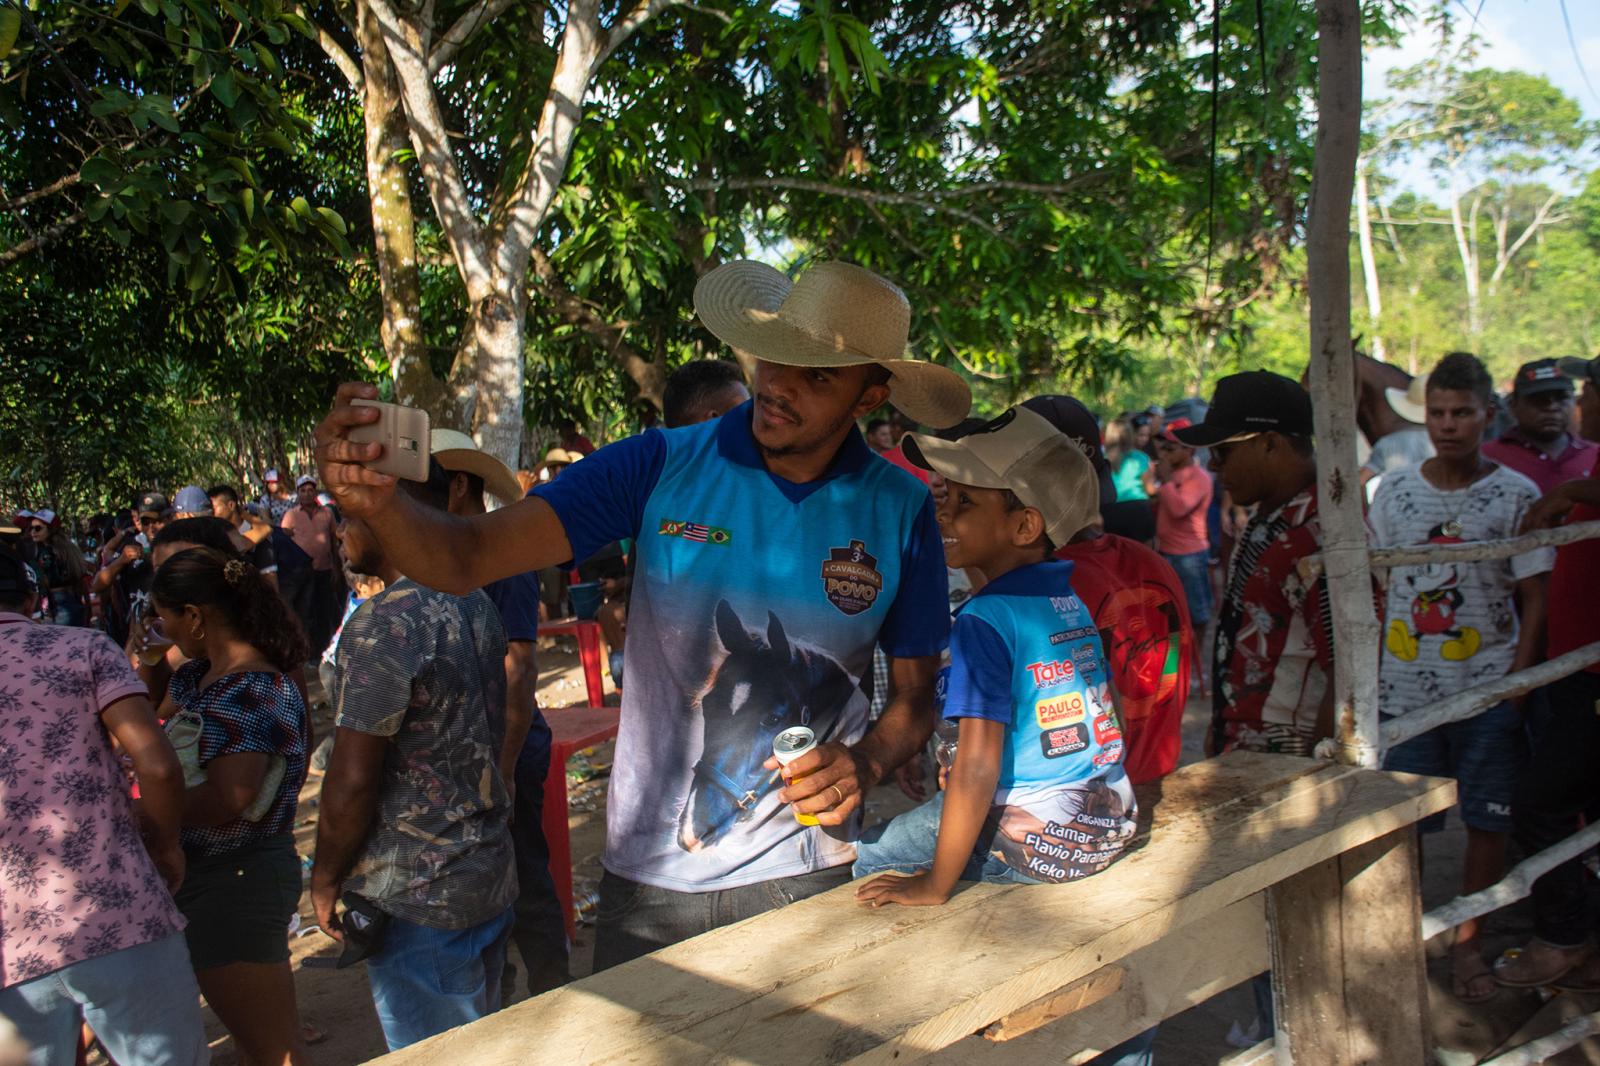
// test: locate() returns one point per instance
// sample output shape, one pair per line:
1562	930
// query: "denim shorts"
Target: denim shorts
1194	571
905	845
142	1002
238	904
1485	754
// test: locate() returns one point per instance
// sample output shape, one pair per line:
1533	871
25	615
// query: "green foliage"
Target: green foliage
187	326
167	121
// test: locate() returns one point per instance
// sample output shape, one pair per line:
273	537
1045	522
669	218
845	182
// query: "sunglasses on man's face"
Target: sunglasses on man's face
36	528
1221	452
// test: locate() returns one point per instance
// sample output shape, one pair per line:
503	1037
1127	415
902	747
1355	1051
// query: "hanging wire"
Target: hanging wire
1211	177
1576	56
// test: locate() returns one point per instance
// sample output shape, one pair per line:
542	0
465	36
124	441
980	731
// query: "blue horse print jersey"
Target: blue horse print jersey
756	604
1025	652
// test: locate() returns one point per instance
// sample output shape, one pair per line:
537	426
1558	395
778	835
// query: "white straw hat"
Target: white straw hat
833	314
457	451
1411	402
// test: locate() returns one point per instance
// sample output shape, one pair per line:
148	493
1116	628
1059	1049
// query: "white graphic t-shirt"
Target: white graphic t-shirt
1449	626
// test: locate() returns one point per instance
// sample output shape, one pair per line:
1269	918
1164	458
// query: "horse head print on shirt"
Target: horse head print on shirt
761	685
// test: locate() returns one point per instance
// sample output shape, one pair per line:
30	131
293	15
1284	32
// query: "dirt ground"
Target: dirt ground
338	1005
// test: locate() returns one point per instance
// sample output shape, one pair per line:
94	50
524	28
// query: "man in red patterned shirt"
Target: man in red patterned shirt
1274	653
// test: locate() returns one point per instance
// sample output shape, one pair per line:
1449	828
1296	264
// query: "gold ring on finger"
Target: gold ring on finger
840	791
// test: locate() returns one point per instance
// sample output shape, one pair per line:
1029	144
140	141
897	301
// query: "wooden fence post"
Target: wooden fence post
1332	378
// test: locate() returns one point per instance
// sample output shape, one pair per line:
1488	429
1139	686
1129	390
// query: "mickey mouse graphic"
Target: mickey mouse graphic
1437	597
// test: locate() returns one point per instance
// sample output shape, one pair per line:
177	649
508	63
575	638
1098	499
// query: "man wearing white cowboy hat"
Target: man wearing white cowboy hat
539	928
773	553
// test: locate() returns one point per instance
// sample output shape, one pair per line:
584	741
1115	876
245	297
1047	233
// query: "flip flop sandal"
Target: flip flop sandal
1551	976
1583	979
1460	985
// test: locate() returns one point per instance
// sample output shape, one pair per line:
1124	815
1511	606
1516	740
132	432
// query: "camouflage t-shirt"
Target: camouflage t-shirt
427	670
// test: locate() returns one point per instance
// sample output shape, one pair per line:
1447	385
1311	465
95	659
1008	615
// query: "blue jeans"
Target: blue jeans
66	609
635	919
1194	573
142	1003
1486	754
426	981
905	845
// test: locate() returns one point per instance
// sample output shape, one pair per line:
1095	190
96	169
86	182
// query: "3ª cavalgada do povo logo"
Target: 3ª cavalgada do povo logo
850	578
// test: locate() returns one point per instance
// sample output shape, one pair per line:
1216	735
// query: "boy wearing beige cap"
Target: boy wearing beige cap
1037	792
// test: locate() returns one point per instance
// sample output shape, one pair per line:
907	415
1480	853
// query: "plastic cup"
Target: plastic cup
150	640
788	746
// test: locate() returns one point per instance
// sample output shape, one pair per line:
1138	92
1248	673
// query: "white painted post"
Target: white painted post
1332	377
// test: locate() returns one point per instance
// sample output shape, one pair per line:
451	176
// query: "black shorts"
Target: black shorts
238	904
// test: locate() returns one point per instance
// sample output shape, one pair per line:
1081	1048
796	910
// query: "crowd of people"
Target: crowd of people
1005	616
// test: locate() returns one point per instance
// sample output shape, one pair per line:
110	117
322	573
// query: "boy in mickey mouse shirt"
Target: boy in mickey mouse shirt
1037	792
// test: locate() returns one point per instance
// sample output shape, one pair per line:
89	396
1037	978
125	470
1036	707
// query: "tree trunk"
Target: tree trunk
1332	376
1466	248
1369	267
487	381
394	225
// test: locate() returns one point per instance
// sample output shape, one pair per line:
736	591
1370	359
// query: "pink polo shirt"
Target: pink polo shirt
77	882
1528	459
1181	503
313	534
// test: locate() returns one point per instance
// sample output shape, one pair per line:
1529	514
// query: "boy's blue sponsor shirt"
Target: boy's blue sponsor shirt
1025	652
756	604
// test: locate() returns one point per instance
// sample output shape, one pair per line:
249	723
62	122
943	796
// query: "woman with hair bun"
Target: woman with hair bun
241	729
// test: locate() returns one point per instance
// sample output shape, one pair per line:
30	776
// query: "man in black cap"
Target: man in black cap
1559	789
126	578
1273	661
1541	446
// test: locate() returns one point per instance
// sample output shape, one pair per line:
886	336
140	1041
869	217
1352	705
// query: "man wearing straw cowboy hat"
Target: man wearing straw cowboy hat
537	928
773	553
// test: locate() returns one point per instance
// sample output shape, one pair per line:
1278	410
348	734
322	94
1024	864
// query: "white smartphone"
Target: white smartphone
403	432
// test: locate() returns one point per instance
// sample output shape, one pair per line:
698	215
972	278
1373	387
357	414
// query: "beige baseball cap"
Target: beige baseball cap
1023	452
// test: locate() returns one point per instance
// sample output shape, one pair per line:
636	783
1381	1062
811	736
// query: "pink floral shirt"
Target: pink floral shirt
75	880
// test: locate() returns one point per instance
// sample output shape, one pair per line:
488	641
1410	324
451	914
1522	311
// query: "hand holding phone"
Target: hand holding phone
403	432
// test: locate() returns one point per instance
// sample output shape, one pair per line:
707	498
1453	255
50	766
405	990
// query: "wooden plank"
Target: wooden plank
1185	968
841	981
1349	976
1303	914
1385	968
1075	997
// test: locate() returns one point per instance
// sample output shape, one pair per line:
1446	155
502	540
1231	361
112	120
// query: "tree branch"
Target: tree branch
1540	218
431	141
648	375
624	27
24	199
331	48
46	236
471	21
518	220
929	201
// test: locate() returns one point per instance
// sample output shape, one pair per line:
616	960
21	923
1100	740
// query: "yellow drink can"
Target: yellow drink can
788	746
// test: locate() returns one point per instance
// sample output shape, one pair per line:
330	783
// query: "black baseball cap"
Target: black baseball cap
1541	375
1070	416
1256	401
154	503
1578	368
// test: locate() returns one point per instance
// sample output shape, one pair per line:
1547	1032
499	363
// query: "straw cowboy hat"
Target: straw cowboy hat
1411	402
834	314
458	452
